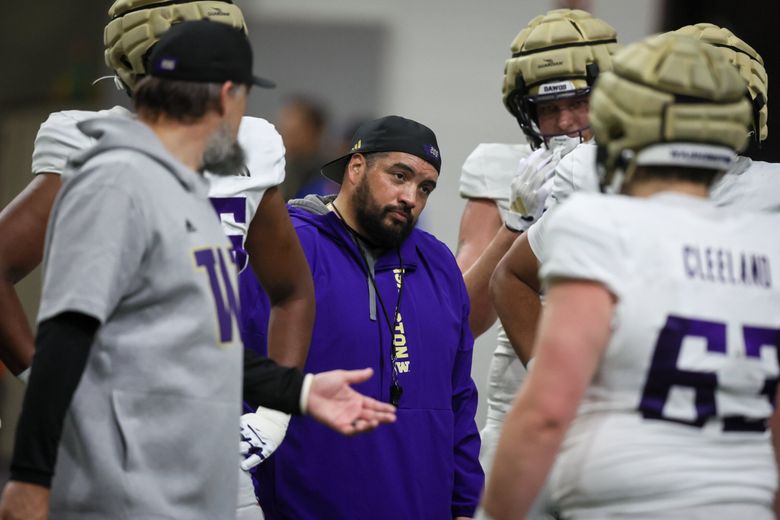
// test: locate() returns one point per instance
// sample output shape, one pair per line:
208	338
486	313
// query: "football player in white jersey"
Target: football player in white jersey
251	208
546	87
238	199
751	185
657	357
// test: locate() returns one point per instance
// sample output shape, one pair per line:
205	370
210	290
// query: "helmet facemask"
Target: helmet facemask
540	113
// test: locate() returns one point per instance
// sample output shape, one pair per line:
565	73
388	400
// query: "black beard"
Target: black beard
371	218
223	156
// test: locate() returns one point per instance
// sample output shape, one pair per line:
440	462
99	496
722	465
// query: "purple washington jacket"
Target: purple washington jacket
424	466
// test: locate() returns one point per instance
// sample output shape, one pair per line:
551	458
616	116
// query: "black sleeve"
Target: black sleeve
61	350
270	385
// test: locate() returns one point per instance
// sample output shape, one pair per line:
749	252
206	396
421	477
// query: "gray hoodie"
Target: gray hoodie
134	241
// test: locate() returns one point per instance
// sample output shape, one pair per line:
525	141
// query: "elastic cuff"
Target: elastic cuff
31	476
308	379
24	375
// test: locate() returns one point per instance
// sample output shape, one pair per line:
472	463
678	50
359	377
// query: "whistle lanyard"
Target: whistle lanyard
396	390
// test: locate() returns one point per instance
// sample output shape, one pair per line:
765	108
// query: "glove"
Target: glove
261	433
530	189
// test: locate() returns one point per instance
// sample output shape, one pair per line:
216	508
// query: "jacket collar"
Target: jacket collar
328	222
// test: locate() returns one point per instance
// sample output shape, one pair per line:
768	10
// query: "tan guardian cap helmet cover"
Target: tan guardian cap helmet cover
749	63
669	100
562	45
136	25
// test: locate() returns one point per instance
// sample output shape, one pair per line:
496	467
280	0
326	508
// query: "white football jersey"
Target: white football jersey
488	172
235	198
575	173
675	415
748	186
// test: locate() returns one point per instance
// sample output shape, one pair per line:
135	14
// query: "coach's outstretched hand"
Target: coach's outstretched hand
333	402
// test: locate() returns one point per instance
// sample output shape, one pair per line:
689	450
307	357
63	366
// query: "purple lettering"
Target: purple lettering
767	273
235	206
730	267
690	260
708	256
664	373
225	310
721	263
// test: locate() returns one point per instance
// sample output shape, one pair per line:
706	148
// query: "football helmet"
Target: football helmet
136	25
558	55
748	62
669	100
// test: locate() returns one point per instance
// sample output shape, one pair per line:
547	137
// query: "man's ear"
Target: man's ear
226	92
356	168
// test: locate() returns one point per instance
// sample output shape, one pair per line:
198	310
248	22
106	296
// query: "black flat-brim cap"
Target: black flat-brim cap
388	134
205	51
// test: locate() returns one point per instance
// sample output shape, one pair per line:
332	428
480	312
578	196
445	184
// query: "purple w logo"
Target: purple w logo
225	299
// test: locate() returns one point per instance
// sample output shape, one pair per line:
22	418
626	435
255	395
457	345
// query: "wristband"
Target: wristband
308	379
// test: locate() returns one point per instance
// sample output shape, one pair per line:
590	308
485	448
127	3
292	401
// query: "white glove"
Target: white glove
530	189
261	433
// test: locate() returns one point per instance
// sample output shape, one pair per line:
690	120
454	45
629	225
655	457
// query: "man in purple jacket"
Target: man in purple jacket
391	297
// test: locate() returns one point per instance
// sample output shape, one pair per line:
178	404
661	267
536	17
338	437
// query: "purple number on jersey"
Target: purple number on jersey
235	206
226	310
755	338
664	373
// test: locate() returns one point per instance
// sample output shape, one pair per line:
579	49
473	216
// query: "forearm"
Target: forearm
16	338
22	229
478	224
573	335
280	265
289	330
477	279
774	427
62	350
518	306
526	451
